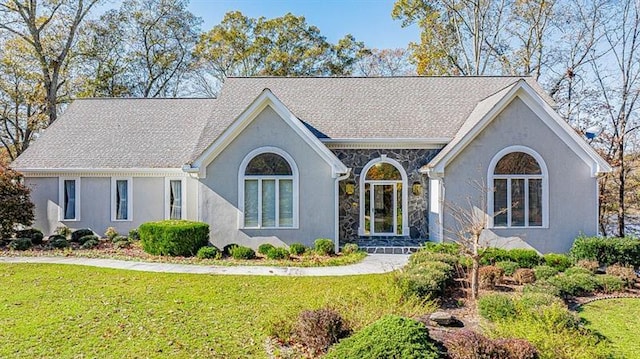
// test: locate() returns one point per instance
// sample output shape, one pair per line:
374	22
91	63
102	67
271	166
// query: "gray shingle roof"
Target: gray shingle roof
157	133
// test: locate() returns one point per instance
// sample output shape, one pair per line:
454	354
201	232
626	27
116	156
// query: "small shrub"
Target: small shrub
118	238
579	270
90	237
558	261
57	241
122	244
297	249
508	267
490	276
278	253
226	250
541	287
20	244
591	266
609	283
524	276
324	247
544	272
63	231
209	252
242	252
518	348
91	243
607	251
422	256
496	306
424	280
281	329
389	337
467	344
35	235
174	237
626	273
134	235
526	258
533	301
319	329
264	248
575	284
79	233
491	255
447	248
111	233
350	248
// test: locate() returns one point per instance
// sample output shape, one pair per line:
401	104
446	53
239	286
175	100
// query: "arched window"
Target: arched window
518	177
383	198
268	190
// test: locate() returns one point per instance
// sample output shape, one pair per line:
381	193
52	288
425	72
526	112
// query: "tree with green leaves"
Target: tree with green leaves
16	207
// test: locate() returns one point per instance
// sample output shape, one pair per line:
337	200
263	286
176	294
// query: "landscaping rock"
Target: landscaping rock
444	319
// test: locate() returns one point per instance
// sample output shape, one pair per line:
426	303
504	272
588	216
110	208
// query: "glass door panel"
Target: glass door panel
383	208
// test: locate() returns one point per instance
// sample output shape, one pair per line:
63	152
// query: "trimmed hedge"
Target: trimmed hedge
297	249
20	244
89	237
35	235
209	252
424	280
545	272
526	258
91	243
174	237
508	267
79	233
242	252
575	284
558	261
496	306
389	337
57	241
264	248
448	248
324	246
278	253
607	250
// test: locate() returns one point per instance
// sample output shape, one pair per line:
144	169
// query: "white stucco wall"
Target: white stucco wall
572	190
219	190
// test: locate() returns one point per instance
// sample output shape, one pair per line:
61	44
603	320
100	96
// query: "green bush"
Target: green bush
350	248
174	237
541	286
526	258
89	237
544	272
575	284
491	255
389	337
16	207
208	252
607	251
35	235
226	250
558	261
496	306
319	329
577	270
324	247
134	235
422	256
264	248
448	248
91	243
79	233
122	244
424	280
20	244
531	301
111	233
57	241
297	249
242	252
610	283
508	267
278	253
119	238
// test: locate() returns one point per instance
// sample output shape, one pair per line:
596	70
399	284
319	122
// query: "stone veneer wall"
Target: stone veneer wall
349	205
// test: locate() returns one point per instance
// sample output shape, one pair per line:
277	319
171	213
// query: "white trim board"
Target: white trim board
102	172
61	208
129	199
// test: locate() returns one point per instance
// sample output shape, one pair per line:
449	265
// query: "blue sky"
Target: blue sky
368	20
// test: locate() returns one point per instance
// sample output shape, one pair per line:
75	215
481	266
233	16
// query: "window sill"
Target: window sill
520	227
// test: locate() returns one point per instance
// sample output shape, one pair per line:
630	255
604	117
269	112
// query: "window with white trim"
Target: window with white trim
121	206
269	190
175	198
69	199
519	191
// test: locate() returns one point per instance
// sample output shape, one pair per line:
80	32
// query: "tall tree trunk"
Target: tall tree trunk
621	188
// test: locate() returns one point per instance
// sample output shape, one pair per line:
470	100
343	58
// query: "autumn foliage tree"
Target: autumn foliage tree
16	207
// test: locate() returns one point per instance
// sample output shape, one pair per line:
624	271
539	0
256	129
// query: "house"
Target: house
376	161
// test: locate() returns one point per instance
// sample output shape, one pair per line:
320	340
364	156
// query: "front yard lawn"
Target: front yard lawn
618	320
57	311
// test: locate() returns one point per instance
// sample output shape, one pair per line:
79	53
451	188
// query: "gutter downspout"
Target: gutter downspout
337	209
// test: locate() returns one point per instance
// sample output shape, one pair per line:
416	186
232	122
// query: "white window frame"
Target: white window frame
545	188
129	199
405	214
242	178
167	196
61	199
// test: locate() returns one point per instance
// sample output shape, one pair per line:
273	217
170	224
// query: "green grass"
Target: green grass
73	311
618	320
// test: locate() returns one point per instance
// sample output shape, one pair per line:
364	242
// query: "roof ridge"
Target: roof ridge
380	77
143	98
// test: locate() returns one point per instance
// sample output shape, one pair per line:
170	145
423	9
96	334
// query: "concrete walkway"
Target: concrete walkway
371	264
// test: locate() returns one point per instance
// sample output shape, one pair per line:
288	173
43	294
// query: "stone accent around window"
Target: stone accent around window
349	204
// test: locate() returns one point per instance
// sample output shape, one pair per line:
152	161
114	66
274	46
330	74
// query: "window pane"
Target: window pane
69	199
268	203
175	199
383	171
121	199
367	209
399	208
286	203
251	203
268	164
535	202
517	202
383	208
517	163
500	203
